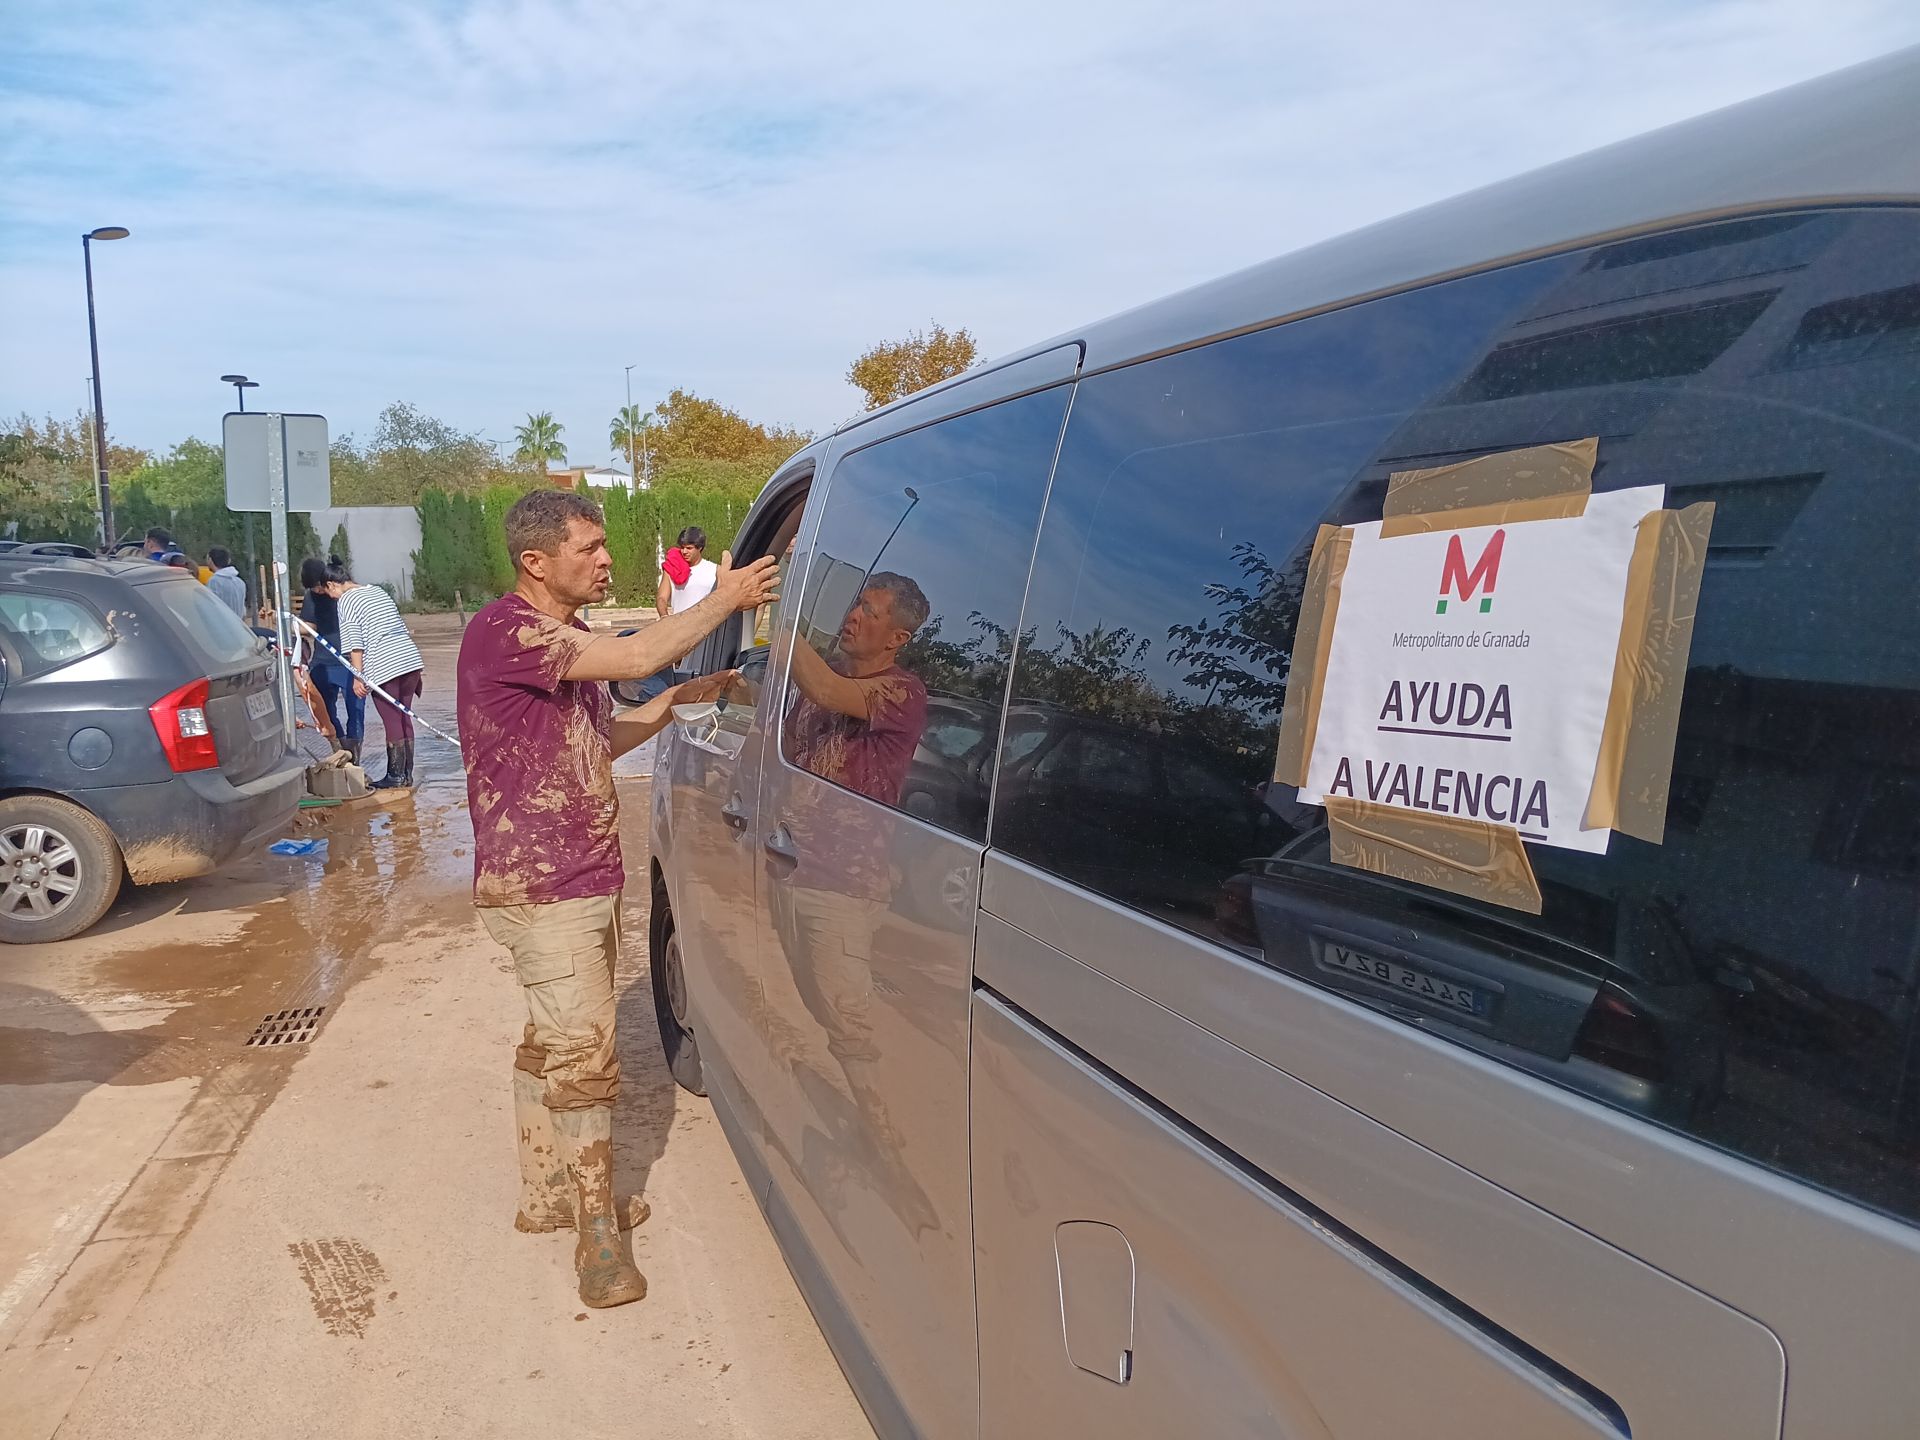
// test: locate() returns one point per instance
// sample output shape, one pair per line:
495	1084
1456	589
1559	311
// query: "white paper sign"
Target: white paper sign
1470	669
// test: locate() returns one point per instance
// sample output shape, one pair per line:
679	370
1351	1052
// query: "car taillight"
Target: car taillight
180	719
1233	911
1619	1035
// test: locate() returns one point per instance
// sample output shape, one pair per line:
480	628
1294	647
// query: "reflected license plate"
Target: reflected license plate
259	704
1405	979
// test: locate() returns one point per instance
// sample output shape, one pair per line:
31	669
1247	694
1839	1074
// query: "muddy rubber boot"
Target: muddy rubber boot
406	763
546	1194
607	1277
352	743
545	1202
390	780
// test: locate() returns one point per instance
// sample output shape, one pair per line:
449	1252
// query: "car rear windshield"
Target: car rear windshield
215	631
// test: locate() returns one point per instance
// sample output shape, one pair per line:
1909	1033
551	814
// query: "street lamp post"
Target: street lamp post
633	470
241	384
105	232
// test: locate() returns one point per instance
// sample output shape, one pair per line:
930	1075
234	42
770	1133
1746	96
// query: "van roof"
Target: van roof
1850	137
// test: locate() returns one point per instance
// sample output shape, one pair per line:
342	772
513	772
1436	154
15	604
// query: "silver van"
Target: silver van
1089	1095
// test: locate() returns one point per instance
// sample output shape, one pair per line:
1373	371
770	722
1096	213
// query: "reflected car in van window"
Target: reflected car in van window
1621	1010
1132	803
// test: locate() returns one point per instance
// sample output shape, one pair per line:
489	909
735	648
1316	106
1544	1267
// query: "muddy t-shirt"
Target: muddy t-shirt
539	755
841	849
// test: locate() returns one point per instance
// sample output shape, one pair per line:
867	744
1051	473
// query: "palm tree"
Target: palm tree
540	442
627	434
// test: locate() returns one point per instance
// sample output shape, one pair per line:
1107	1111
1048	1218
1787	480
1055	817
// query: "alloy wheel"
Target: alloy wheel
40	872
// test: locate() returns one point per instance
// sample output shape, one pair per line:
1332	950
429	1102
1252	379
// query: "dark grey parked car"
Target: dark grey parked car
140	738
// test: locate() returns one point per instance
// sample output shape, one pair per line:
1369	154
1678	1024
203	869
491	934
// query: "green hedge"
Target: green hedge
198	526
463	537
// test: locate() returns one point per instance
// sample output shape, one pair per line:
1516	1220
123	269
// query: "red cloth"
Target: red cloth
676	565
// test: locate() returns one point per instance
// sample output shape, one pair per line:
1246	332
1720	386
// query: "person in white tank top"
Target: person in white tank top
670	598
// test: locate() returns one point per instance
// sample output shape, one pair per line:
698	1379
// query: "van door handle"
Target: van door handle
780	844
733	814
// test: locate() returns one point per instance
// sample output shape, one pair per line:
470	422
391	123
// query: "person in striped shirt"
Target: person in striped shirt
375	641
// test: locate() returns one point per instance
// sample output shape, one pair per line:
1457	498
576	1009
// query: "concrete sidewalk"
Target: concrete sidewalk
355	1272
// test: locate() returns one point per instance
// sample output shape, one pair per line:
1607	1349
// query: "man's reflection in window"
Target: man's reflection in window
858	718
855	722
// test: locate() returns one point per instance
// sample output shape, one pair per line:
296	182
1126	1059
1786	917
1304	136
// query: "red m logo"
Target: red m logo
1455	578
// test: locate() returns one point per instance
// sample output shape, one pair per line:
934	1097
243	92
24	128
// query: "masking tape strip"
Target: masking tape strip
1475	858
1312	640
1635	769
1540	482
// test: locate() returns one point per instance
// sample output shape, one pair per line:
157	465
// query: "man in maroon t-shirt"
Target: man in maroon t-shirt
539	737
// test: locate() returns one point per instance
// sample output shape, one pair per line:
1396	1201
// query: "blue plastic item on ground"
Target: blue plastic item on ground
298	847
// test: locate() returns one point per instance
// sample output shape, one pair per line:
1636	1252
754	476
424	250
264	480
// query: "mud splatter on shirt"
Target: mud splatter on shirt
845	848
539	755
868	755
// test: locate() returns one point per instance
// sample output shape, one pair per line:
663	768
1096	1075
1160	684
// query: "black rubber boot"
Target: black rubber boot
406	763
351	744
392	779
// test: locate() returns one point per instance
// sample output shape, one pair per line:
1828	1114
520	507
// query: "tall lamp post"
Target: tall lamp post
241	384
105	232
633	468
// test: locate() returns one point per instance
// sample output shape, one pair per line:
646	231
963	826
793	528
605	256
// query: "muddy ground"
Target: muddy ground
206	1239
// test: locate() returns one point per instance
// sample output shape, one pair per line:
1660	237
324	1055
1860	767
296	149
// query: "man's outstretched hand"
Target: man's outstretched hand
749	587
699	691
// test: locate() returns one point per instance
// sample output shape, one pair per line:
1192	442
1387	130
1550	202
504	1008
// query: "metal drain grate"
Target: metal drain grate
289	1027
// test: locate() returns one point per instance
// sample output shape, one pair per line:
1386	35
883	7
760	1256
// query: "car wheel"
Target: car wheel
59	869
670	997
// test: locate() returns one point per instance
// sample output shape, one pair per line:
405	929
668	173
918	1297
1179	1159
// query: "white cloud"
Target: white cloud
492	207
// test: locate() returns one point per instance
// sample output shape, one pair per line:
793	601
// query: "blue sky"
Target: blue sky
487	208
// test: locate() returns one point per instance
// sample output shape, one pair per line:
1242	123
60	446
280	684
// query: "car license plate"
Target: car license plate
1404	979
260	704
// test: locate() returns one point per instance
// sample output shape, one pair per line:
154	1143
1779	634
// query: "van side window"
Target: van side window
744	642
1755	980
907	619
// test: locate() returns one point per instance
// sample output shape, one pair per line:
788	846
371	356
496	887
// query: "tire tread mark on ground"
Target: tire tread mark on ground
342	1278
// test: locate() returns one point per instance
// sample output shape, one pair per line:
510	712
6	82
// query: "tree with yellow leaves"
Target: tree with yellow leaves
895	369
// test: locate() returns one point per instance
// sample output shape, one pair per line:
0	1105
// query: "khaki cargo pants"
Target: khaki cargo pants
828	938
563	952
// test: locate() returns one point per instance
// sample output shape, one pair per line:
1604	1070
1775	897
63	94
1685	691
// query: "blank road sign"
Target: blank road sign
249	438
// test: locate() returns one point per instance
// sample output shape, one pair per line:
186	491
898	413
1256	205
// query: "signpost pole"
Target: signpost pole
277	462
253	551
277	507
